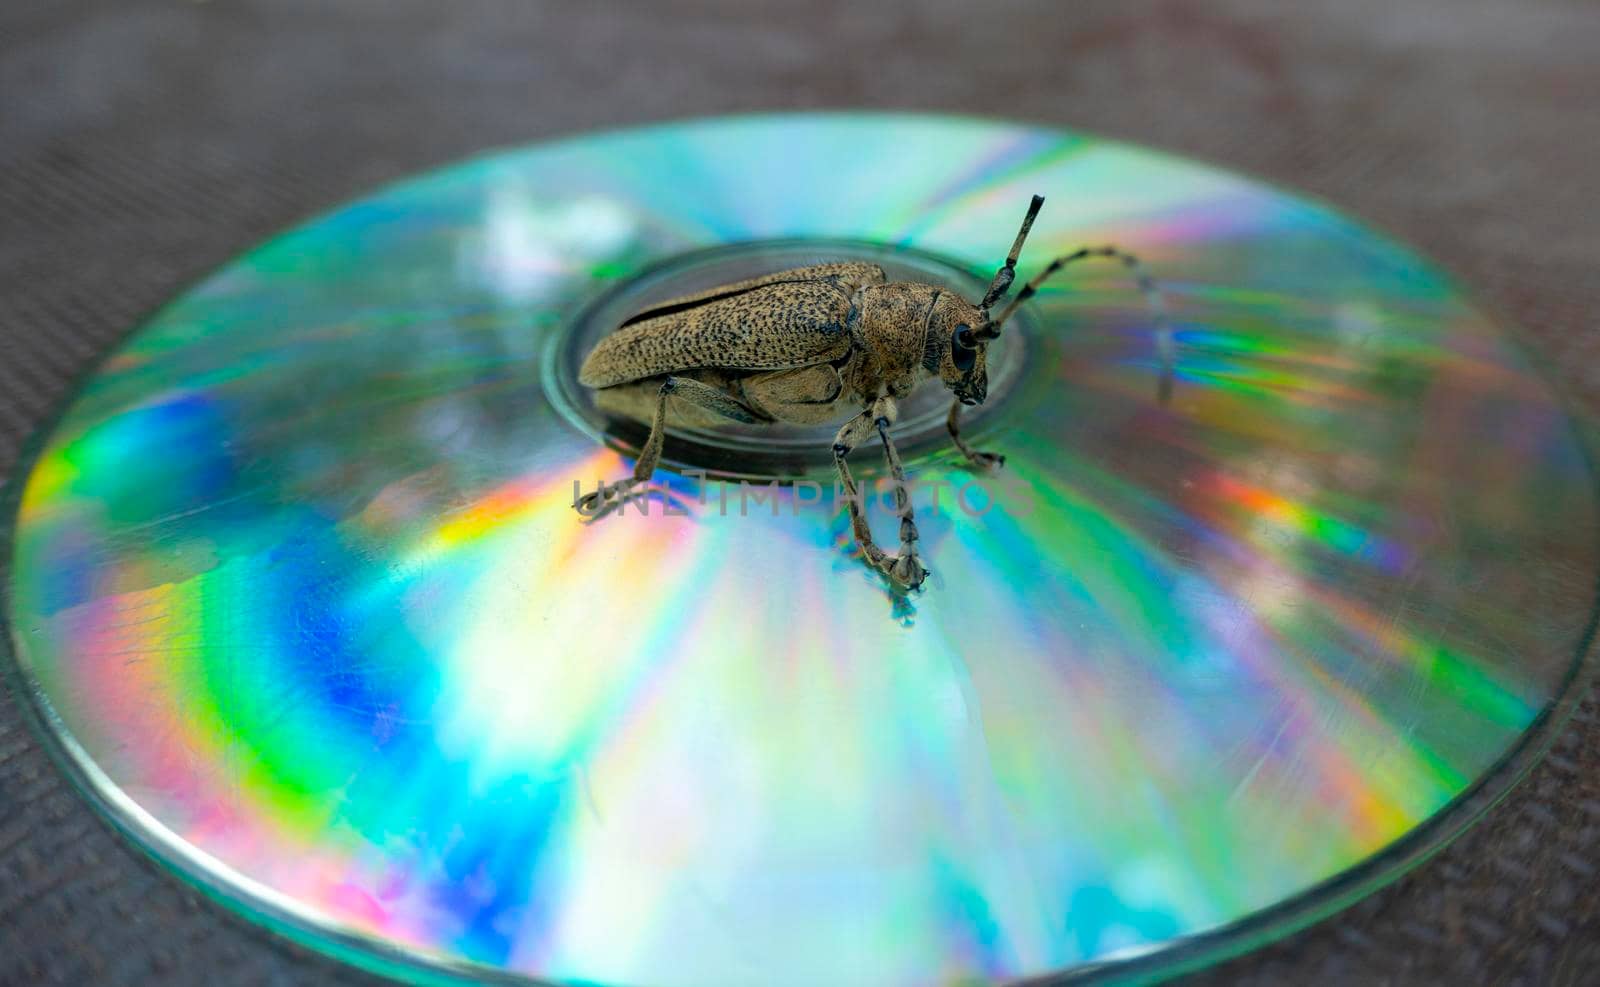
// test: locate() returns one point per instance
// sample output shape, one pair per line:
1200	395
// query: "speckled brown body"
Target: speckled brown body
807	346
781	321
804	346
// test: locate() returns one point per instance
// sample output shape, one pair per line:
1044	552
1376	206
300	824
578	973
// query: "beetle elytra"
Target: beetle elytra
809	346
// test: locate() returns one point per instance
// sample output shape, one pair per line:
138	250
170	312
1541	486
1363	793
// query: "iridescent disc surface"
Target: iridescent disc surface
296	581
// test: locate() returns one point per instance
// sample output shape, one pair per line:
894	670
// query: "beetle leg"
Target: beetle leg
850	435
905	568
609	498
703	395
982	460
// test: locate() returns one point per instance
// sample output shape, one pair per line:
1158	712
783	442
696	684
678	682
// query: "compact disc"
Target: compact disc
298	589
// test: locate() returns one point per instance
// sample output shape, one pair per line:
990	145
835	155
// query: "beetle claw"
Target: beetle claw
907	570
608	498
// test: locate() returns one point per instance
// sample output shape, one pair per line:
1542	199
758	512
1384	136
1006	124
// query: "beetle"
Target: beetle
808	346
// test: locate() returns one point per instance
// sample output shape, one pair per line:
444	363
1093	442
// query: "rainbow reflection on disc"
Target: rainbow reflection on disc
297	584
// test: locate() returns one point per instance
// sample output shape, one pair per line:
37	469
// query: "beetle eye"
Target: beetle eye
963	348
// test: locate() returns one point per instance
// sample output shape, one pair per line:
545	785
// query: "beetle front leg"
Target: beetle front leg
982	460
905	568
850	435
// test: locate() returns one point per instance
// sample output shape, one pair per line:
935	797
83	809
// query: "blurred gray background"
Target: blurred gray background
143	142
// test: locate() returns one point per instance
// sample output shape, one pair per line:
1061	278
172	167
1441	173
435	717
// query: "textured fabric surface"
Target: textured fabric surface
143	142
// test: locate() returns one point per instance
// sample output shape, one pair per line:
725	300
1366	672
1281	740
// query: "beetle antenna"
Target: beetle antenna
1003	277
1165	347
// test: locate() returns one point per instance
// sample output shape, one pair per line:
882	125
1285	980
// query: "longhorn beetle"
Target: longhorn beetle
808	346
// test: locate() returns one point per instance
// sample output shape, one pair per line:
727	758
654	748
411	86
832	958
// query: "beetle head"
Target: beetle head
953	334
959	331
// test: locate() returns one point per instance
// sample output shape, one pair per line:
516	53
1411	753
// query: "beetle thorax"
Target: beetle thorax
888	330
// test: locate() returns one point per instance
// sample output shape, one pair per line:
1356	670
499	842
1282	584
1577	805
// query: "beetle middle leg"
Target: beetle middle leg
978	458
611	496
905	568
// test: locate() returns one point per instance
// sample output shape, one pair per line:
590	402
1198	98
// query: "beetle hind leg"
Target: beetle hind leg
610	497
